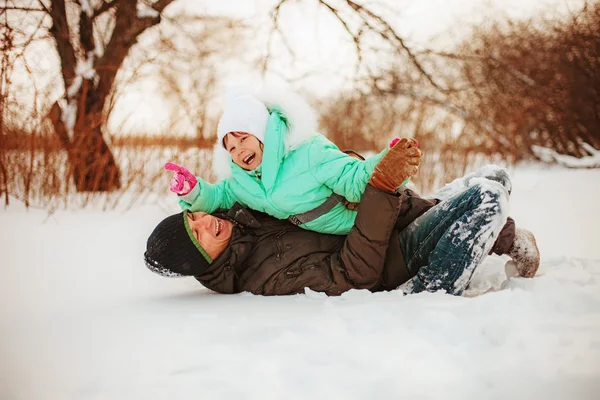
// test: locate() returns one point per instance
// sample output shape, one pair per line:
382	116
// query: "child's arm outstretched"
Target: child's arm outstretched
196	194
344	175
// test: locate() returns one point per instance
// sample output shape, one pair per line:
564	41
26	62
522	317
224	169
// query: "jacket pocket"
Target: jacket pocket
298	270
279	248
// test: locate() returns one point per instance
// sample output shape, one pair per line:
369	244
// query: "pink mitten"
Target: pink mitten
396	140
183	181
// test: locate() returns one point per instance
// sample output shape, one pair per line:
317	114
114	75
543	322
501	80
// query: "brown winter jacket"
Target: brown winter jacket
268	256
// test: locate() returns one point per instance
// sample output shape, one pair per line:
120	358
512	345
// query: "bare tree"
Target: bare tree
509	86
178	61
538	82
92	39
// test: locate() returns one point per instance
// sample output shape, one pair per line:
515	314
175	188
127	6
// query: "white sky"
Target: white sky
322	46
325	57
324	53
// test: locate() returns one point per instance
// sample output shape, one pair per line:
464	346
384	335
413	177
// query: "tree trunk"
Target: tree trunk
91	162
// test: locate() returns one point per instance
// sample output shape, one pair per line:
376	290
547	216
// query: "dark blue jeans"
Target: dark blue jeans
444	246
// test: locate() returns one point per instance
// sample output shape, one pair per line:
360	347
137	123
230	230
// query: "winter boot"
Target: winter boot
525	255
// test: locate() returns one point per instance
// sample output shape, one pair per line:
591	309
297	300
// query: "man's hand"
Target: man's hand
397	165
183	181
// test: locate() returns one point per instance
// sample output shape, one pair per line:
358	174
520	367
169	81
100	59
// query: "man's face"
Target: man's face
212	233
245	149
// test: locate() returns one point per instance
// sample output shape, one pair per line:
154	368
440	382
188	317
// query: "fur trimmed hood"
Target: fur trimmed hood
301	121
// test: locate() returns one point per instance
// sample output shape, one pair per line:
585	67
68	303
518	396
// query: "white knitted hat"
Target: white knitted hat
242	113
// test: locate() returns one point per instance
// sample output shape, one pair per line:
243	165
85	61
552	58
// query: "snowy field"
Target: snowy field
82	318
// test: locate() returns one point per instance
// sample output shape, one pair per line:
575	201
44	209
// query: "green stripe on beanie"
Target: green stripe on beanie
193	238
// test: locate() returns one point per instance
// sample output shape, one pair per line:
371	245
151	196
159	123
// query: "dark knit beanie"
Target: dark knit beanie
172	250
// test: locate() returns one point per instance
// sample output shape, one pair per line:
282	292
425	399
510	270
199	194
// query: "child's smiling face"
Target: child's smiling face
245	149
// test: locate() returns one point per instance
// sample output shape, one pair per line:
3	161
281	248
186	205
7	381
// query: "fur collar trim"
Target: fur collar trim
302	124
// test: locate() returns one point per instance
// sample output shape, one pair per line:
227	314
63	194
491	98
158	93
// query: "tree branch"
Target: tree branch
388	33
43	6
125	33
459	112
61	34
106	6
86	31
15	8
275	19
355	37
32	37
160	5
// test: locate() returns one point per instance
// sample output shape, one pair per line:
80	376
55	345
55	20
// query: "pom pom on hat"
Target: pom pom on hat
243	112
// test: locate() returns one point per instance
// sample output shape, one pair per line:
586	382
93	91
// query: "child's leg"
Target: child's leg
447	243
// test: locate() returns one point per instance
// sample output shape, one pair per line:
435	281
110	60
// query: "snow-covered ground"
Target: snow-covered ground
82	318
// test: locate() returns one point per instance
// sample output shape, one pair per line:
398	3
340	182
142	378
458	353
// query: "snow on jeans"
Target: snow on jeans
445	245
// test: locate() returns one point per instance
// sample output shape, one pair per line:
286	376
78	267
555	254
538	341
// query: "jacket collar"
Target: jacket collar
241	243
242	216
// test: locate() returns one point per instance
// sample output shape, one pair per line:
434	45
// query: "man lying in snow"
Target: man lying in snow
399	240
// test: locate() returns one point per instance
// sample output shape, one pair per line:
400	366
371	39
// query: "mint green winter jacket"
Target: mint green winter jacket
290	182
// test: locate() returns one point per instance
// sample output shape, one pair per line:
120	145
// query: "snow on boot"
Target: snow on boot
524	253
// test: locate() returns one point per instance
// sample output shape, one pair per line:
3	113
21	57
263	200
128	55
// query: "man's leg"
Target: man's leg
491	172
518	243
445	245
